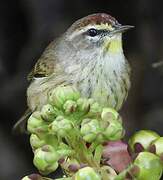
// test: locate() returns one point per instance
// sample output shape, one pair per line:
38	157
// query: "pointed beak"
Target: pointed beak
121	29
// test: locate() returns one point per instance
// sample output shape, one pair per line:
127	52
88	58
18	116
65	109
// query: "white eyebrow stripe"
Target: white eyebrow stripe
84	29
77	32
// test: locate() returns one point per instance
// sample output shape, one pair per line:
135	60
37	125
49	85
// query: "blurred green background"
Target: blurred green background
26	28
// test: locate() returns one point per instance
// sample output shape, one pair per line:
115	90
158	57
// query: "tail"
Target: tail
20	127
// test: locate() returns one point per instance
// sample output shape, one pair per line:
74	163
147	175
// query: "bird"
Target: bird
89	56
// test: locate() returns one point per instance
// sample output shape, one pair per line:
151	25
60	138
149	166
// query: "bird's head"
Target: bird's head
97	32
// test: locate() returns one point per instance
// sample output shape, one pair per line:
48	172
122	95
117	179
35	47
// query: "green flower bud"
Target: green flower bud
61	126
109	114
101	131
87	173
95	108
60	95
113	131
36	142
149	166
83	105
90	129
70	106
35	124
141	140
48	112
45	159
157	146
111	124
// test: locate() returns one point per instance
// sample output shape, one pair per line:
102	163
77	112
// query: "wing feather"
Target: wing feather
45	65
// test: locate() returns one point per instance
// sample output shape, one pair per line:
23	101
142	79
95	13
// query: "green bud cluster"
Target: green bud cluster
71	131
66	119
107	127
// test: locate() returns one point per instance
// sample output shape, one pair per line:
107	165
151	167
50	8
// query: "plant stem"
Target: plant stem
98	153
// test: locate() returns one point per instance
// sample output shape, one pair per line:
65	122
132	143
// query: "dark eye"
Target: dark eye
92	32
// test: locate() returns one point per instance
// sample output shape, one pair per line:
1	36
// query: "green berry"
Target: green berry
149	166
141	140
157	145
